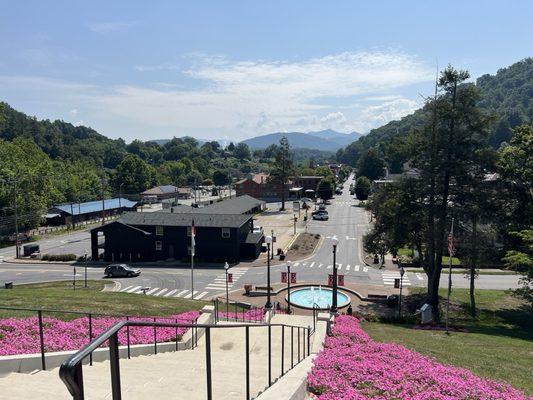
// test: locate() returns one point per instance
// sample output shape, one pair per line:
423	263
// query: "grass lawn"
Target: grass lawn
497	345
62	296
462	271
445	260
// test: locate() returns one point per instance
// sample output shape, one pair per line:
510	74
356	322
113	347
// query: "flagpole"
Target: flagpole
450	254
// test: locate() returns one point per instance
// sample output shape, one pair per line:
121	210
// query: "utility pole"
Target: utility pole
72	215
17	248
102	181
120	195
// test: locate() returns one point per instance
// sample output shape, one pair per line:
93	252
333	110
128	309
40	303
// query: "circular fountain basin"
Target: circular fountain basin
319	297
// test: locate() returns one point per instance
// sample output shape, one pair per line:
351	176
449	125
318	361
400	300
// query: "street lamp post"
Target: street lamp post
85	262
334	242
289	265
402	272
226	267
272	252
268	241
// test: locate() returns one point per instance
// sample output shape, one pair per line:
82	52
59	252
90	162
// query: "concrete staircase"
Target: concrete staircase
179	374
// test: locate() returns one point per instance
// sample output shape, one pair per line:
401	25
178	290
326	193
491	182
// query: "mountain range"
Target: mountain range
328	140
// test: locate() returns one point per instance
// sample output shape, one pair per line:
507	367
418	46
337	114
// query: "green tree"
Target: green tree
325	188
282	168
242	151
371	165
134	174
521	260
221	177
362	188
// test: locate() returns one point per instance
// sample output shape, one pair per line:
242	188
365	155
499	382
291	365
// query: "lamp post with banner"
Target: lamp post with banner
402	272
334	242
289	265
268	241
226	267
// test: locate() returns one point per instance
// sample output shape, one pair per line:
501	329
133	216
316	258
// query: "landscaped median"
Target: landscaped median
353	366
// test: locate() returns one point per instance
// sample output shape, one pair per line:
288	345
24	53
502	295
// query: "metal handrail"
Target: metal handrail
71	370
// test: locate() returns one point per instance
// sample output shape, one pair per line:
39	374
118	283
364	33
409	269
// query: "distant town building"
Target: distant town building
261	187
224	232
159	193
66	214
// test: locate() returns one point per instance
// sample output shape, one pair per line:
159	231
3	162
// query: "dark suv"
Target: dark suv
118	270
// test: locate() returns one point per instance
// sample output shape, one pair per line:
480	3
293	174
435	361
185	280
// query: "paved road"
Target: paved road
347	221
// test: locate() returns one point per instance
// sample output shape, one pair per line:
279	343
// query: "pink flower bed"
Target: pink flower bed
21	335
254	314
354	367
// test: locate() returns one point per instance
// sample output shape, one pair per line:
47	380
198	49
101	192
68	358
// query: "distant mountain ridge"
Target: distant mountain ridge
327	140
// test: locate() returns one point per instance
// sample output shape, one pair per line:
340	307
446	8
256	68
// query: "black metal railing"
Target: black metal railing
237	312
71	370
90	315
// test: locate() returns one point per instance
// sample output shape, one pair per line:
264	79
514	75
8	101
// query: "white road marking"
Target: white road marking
419	276
171	292
217	286
348	267
356	268
188	296
311	265
126	289
132	289
339	266
296	264
330	266
365	269
200	295
181	293
152	290
160	292
320	265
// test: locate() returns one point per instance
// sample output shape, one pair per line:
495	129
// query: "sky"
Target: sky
237	69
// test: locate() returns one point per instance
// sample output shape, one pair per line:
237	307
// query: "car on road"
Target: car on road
121	270
257	229
321	216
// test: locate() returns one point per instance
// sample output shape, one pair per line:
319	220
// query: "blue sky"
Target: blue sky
236	69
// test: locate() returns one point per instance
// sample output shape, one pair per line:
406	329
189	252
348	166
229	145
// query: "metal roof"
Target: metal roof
94	206
163	218
236	205
163	189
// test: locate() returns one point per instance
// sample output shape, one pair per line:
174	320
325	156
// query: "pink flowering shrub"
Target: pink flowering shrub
354	367
254	314
21	335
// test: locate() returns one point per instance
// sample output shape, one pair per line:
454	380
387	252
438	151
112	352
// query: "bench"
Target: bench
8	285
145	289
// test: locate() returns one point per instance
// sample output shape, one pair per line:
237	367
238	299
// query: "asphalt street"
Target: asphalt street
347	222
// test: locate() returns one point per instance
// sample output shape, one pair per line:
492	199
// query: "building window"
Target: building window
158	245
159	230
225	233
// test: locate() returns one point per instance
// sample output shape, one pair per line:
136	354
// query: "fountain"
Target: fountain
308	297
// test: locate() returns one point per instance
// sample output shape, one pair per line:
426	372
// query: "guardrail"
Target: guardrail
236	311
71	370
90	315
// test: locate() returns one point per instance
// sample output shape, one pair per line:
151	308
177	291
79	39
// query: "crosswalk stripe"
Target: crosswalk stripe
160	292
296	264
188	295
347	237
200	295
133	289
348	267
365	269
171	292
126	289
356	268
311	265
339	266
330	266
419	276
320	265
152	290
181	293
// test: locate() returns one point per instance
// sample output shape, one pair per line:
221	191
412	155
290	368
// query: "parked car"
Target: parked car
321	216
257	229
121	270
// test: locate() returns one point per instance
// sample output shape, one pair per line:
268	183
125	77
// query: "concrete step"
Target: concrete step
167	375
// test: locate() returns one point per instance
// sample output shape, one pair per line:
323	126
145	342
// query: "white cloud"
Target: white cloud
245	98
74	111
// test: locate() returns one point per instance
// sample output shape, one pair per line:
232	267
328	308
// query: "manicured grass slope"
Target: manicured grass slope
62	296
498	344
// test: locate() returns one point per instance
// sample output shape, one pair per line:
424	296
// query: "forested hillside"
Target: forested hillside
507	95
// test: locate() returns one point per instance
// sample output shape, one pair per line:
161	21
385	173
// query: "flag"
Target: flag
193	234
451	247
